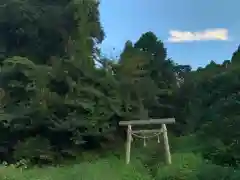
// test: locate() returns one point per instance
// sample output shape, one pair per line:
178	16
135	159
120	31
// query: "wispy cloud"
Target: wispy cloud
177	36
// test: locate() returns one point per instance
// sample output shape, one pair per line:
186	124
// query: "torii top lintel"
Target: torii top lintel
149	121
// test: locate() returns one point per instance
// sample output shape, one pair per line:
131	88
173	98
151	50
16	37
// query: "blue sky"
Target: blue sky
204	30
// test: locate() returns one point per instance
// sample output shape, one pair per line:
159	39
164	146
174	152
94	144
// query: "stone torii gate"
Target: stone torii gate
163	131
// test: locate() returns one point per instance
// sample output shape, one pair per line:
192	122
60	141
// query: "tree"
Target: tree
211	101
40	29
132	74
52	87
161	71
236	56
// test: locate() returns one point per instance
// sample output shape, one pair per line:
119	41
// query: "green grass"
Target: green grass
90	166
146	164
184	167
109	168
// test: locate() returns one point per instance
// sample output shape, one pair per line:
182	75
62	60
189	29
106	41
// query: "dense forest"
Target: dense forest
60	96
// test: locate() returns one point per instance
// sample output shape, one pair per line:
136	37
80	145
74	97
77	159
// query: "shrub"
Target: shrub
188	166
35	150
184	167
184	144
214	172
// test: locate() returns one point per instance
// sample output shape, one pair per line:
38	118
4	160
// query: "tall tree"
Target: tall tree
161	70
41	29
53	89
236	56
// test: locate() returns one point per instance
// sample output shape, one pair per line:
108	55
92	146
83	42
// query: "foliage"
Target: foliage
189	143
57	102
32	150
188	166
40	29
110	168
215	172
64	96
184	167
211	110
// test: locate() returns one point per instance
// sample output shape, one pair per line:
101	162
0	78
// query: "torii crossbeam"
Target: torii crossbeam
145	122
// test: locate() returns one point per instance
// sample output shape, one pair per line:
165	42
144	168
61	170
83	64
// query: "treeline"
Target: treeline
208	103
55	101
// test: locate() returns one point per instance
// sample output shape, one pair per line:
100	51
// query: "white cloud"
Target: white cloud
206	35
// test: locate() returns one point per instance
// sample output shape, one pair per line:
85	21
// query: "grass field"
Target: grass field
146	164
109	168
185	166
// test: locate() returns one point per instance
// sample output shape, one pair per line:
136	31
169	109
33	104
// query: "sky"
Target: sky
193	31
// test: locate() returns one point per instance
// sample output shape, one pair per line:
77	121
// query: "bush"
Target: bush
184	144
184	167
215	172
153	153
35	150
188	166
